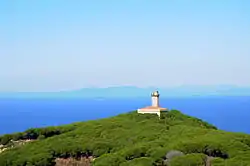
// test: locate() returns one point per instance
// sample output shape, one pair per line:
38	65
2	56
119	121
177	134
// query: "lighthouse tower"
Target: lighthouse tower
155	99
155	107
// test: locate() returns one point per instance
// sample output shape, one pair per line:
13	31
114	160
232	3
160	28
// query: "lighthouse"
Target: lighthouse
155	99
155	107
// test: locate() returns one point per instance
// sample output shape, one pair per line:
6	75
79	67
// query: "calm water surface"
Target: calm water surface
228	113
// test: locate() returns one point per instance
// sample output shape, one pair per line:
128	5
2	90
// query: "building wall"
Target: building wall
155	101
158	112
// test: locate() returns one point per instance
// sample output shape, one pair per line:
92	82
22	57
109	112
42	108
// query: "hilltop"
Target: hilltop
129	139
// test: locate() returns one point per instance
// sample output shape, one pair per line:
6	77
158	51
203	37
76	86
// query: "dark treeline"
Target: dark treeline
36	133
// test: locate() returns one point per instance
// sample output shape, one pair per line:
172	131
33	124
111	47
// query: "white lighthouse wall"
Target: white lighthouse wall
152	111
155	101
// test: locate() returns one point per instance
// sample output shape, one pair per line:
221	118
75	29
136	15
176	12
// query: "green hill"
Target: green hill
128	140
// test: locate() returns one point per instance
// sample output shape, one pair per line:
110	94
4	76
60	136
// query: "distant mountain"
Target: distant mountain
131	91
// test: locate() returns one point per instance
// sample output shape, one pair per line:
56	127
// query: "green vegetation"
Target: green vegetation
131	140
36	133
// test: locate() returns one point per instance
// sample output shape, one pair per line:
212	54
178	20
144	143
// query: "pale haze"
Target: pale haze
53	45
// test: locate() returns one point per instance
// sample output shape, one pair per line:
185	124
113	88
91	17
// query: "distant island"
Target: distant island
130	139
132	92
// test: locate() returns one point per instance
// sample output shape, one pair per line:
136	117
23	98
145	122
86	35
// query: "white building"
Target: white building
155	108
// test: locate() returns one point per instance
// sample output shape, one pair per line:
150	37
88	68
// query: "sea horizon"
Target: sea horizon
229	113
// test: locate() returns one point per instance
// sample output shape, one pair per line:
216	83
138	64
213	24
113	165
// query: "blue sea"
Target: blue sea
227	113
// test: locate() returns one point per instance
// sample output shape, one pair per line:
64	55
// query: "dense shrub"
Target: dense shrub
142	161
189	160
35	133
129	139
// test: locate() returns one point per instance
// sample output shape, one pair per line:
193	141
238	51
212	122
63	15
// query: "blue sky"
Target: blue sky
61	45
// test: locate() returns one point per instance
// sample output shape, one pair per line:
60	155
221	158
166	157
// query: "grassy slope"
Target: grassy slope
133	139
